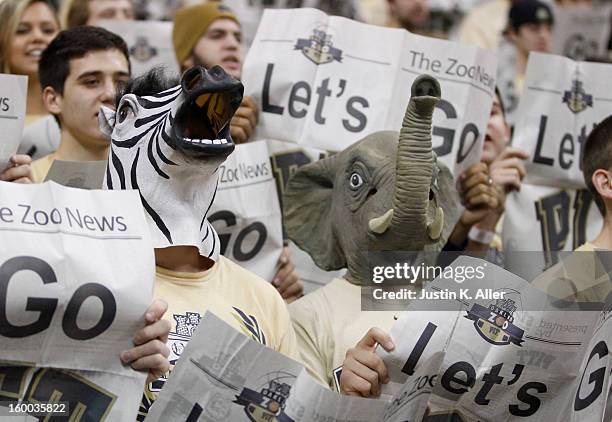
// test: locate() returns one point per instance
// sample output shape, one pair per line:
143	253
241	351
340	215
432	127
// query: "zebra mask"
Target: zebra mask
169	144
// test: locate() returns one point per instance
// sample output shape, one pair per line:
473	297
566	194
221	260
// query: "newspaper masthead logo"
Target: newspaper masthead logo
268	404
495	323
142	50
318	48
576	98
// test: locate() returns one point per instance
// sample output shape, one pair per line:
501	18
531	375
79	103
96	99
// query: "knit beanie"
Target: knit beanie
191	22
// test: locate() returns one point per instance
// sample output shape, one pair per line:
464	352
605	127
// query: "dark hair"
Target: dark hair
597	154
71	44
154	81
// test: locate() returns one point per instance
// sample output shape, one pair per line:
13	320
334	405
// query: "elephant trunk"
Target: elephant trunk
408	219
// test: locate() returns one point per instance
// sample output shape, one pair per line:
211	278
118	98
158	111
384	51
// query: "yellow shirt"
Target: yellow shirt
581	276
497	243
484	24
328	322
41	167
237	296
32	118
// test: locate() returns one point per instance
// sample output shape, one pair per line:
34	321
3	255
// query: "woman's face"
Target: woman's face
35	31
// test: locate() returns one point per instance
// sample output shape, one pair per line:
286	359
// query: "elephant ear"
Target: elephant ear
307	212
448	199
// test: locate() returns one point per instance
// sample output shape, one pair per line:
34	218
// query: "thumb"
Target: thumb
510	152
376	336
156	311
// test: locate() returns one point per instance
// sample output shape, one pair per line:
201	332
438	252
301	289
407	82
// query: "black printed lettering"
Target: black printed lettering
26	214
44	306
450	376
596	378
294	98
353	112
109	311
267	107
524	396
452	64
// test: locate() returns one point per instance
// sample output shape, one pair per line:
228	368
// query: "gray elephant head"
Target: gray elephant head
385	192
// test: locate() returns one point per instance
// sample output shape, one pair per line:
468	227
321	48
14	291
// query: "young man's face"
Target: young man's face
109	9
533	37
497	134
91	83
220	45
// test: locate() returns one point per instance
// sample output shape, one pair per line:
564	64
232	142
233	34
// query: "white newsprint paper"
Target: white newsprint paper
224	376
543	365
76	276
13	98
326	82
511	358
563	100
149	44
246	213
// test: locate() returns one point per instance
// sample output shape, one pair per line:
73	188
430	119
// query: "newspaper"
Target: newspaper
484	359
529	364
548	219
325	82
507	358
563	100
221	375
13	98
237	379
246	212
77	272
582	33
149	44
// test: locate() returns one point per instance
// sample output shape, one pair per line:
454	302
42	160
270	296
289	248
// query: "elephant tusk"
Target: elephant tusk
434	229
379	225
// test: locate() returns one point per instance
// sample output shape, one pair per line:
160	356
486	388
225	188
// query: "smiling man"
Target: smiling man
80	72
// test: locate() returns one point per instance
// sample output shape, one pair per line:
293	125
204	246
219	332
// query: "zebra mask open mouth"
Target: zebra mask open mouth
201	126
168	139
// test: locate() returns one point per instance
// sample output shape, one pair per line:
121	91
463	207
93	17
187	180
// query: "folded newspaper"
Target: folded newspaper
325	82
76	277
224	376
13	95
518	359
507	352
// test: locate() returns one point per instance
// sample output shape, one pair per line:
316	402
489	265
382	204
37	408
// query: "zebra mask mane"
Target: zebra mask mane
169	144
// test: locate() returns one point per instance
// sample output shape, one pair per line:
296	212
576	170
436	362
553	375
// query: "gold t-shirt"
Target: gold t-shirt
582	276
484	24
237	296
41	167
32	118
328	322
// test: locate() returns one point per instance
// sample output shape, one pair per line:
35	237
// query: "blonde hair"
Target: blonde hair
11	12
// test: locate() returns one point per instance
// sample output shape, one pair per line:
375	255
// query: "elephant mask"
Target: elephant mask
385	192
